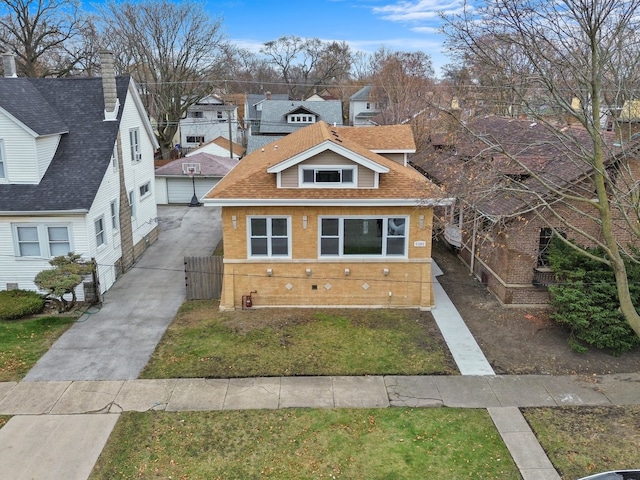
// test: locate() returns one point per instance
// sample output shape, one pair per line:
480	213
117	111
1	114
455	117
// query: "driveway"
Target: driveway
116	342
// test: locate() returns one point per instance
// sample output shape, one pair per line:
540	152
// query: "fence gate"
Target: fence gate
203	277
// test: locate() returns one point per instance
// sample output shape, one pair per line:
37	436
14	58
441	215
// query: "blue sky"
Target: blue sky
365	25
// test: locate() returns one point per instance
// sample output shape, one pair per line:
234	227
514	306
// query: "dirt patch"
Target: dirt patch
520	340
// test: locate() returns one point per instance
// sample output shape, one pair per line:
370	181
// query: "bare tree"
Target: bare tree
569	49
401	80
170	49
304	64
49	38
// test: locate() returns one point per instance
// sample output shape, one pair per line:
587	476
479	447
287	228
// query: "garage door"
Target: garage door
180	189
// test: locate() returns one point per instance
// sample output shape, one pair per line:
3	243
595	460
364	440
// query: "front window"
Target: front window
134	139
363	236
99	228
269	237
42	240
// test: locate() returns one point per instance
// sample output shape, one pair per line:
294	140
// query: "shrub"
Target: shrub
16	304
585	300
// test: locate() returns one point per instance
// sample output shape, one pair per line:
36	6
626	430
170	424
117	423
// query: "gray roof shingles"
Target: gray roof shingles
274	120
72	180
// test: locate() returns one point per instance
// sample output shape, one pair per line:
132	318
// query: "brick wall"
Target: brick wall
369	282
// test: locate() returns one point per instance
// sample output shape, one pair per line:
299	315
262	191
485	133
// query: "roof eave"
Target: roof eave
323	202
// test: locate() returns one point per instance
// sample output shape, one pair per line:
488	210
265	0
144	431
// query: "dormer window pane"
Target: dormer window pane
328	176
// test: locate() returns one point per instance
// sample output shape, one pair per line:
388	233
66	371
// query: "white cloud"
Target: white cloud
418	10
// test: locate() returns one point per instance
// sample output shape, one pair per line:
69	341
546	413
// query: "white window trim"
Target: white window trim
147	186
305	118
136	148
385	235
315	168
115	218
102	233
43	238
115	161
269	236
132	203
4	176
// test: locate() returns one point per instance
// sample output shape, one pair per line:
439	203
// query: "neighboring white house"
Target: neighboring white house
77	174
207	120
219	146
362	108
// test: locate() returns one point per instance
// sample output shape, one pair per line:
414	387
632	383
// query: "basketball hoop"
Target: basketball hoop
192	169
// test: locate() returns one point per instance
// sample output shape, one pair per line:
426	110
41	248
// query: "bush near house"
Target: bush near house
16	304
585	300
62	279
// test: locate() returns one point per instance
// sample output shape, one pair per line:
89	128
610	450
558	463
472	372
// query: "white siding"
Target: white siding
46	149
161	191
22	270
139	173
108	254
20	152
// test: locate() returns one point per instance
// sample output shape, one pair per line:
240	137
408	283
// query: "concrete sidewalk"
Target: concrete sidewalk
193	394
60	428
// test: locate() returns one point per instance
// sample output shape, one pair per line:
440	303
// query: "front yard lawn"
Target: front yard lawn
392	443
581	441
25	341
204	342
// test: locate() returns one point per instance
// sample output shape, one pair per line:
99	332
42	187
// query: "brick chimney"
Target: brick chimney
111	101
9	65
267	95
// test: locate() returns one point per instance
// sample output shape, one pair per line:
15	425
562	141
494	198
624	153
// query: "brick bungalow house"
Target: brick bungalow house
501	230
318	218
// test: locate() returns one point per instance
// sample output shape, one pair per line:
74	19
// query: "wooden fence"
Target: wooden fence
203	277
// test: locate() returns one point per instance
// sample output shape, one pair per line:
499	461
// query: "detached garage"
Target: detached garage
174	185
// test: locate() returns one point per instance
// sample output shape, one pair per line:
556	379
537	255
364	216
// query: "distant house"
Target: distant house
277	118
175	185
500	232
207	120
319	219
221	147
362	108
76	174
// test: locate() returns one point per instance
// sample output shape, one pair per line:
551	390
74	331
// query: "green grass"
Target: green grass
306	444
25	341
203	342
581	441
3	420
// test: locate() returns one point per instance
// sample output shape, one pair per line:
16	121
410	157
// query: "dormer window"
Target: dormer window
325	176
297	118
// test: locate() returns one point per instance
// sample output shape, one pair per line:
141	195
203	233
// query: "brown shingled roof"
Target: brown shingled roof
382	137
250	179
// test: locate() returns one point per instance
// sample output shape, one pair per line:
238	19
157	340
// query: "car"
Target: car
615	475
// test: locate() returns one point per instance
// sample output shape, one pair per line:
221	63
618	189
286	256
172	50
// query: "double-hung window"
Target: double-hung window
269	237
145	189
114	215
369	236
99	229
3	170
136	149
41	240
114	157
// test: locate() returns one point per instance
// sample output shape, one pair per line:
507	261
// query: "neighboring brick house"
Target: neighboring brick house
76	174
500	232
319	219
